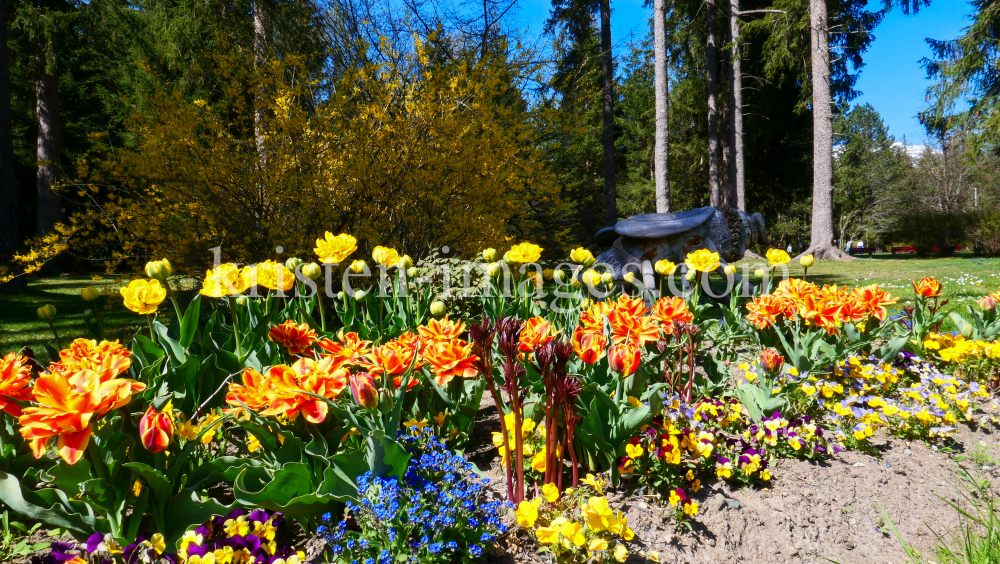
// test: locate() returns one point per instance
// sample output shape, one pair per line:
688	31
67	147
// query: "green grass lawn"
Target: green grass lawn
20	326
965	280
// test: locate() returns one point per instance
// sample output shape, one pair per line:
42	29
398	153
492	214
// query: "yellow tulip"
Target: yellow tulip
334	249
582	256
89	294
159	269
729	269
664	267
524	252
490	255
807	261
385	255
226	280
438	308
702	260
144	296
358	266
46	312
607	278
777	257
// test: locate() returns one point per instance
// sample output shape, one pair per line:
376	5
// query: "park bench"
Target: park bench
914	249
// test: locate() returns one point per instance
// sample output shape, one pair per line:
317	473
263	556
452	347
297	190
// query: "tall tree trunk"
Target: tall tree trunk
736	107
821	242
48	153
261	41
716	197
607	70
9	230
661	153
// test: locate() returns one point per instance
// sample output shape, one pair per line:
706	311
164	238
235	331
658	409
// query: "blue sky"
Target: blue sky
892	80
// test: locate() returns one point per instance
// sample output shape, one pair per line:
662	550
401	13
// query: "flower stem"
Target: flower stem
236	327
149	321
54	334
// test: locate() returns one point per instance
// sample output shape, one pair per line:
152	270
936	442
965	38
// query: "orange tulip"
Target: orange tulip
927	287
636	329
441	330
363	390
590	345
70	401
451	359
536	331
395	357
771	361
593	317
351	350
156	429
252	393
669	309
765	310
624	358
876	299
296	338
15	376
795	288
108	358
631	306
287	384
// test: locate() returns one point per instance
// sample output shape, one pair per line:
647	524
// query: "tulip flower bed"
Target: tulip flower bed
268	414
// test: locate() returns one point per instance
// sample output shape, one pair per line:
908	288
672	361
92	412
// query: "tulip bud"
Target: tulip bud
405	262
548	273
771	361
359	295
293	263
358	266
559	276
607	278
490	255
438	309
967	330
89	312
169	267
807	261
691	275
312	271
242	301
363	390
729	269
157	429
89	294
411	272
340	295
591	261
46	312
630	277
494	269
759	273
157	270
987	303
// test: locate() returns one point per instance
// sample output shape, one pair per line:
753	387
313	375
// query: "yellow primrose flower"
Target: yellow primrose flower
702	260
238	526
597	544
144	296
596	483
634	451
573	532
547	535
691	508
621	553
527	513
777	257
551	492
597	513
439	418
334	249
538	462
653	555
